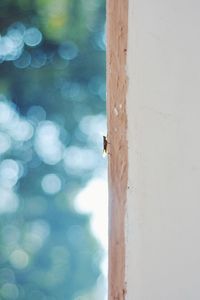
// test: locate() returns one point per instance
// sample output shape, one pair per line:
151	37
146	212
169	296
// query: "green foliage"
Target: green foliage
52	80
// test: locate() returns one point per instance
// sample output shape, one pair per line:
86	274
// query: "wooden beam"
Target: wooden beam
117	27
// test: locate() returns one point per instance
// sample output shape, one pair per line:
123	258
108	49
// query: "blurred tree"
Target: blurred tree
52	81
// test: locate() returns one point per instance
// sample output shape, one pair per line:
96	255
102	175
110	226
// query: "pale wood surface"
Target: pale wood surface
117	23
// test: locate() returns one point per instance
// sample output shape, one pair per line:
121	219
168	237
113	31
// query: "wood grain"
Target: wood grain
117	29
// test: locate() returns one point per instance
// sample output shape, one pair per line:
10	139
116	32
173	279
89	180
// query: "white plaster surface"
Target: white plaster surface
163	206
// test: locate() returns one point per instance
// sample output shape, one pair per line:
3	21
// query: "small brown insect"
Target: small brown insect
105	145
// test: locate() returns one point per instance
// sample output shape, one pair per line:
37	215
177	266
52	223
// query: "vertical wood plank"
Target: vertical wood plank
117	27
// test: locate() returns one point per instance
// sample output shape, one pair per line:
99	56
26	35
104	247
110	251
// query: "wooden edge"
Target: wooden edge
117	30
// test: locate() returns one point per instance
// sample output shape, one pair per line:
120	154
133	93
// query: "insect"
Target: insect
105	146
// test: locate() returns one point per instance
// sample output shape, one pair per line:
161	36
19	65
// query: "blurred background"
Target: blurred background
53	193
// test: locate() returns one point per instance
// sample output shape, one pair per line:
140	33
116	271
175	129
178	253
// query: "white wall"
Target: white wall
163	207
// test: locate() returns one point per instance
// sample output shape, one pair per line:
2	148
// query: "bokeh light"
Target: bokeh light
52	173
32	37
19	259
51	184
47	143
